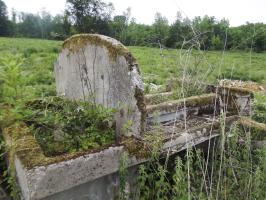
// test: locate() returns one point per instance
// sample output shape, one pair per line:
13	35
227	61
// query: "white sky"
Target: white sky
237	11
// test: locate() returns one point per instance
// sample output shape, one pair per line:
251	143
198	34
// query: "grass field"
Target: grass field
156	65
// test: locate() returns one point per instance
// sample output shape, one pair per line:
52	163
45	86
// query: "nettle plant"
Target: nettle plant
231	169
11	79
259	105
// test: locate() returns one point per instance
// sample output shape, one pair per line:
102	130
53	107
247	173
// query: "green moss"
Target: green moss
201	100
237	90
79	41
136	148
258	130
139	95
152	99
21	142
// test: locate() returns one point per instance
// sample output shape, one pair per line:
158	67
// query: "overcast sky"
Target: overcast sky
237	11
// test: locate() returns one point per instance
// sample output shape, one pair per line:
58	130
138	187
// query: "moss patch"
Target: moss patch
258	130
136	148
201	100
152	99
139	95
242	86
21	142
79	41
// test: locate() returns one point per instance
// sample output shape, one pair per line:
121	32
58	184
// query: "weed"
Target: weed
62	126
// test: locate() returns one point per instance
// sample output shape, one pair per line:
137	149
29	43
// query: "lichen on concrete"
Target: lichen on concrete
79	41
257	130
157	98
201	100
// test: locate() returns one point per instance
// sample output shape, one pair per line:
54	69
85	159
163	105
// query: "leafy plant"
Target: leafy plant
11	80
62	126
123	195
259	105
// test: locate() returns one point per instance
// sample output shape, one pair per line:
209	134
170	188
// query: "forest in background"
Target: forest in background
96	16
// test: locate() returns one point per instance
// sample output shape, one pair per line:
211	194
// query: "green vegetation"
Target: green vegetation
27	75
234	171
158	66
260	108
95	16
62	126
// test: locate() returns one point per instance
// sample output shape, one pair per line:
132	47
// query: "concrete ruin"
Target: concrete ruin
99	69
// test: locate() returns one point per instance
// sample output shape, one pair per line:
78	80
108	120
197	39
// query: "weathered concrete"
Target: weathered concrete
100	69
106	187
177	109
43	181
235	100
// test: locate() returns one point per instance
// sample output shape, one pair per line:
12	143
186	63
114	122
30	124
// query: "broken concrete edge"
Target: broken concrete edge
226	90
139	95
257	130
235	90
201	100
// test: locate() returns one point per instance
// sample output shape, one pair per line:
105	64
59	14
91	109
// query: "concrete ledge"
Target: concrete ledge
257	129
172	106
43	181
151	99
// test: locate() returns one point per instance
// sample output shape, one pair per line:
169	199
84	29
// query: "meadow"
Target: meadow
156	65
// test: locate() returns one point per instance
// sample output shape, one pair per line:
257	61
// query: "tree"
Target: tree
119	26
61	27
205	28
4	23
161	28
90	15
30	25
46	24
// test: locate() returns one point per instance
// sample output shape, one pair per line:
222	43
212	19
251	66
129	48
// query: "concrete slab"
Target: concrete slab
101	70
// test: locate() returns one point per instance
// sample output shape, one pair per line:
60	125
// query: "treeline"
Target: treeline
96	16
